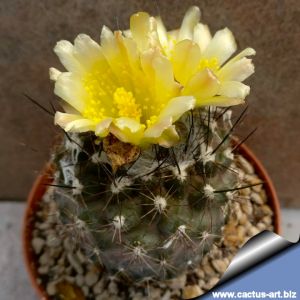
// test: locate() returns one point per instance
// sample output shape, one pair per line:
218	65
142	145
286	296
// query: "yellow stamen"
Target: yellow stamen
151	121
126	104
211	64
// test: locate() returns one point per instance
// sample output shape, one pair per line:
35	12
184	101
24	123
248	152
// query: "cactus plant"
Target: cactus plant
143	175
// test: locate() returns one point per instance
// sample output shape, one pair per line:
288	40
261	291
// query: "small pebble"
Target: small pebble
200	273
261	226
81	256
91	278
175	293
44	259
55	251
241	174
43	226
243	219
256	198
219	265
211	283
62	259
267	210
154	293
136	296
267	220
85	290
247	208
178	283
252	180
207	268
51	288
257	188
113	287
37	244
70	279
252	231
79	280
98	287
68	245
263	195
167	295
245	165
53	240
245	192
43	270
75	263
191	291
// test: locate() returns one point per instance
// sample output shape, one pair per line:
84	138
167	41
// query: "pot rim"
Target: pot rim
45	178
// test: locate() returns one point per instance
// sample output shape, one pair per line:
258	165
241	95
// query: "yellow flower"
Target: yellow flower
135	84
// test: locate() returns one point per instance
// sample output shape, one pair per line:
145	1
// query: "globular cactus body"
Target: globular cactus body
158	213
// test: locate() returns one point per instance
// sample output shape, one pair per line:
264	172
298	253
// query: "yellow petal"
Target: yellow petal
162	33
143	30
127	130
172	112
168	138
62	119
110	48
127	33
177	107
159	75
69	88
87	51
53	74
71	122
106	35
244	53
129	52
64	51
202	36
191	18
158	128
203	84
222	46
68	108
102	128
221	101
140	28
82	125
234	89
122	56
185	60
237	71
166	87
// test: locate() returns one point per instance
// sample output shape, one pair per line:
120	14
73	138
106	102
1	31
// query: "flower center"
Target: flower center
126	105
108	98
211	63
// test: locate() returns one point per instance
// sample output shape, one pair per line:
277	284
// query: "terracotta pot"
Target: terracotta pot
40	186
37	191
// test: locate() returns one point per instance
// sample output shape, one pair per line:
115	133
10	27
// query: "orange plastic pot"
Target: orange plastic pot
40	187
